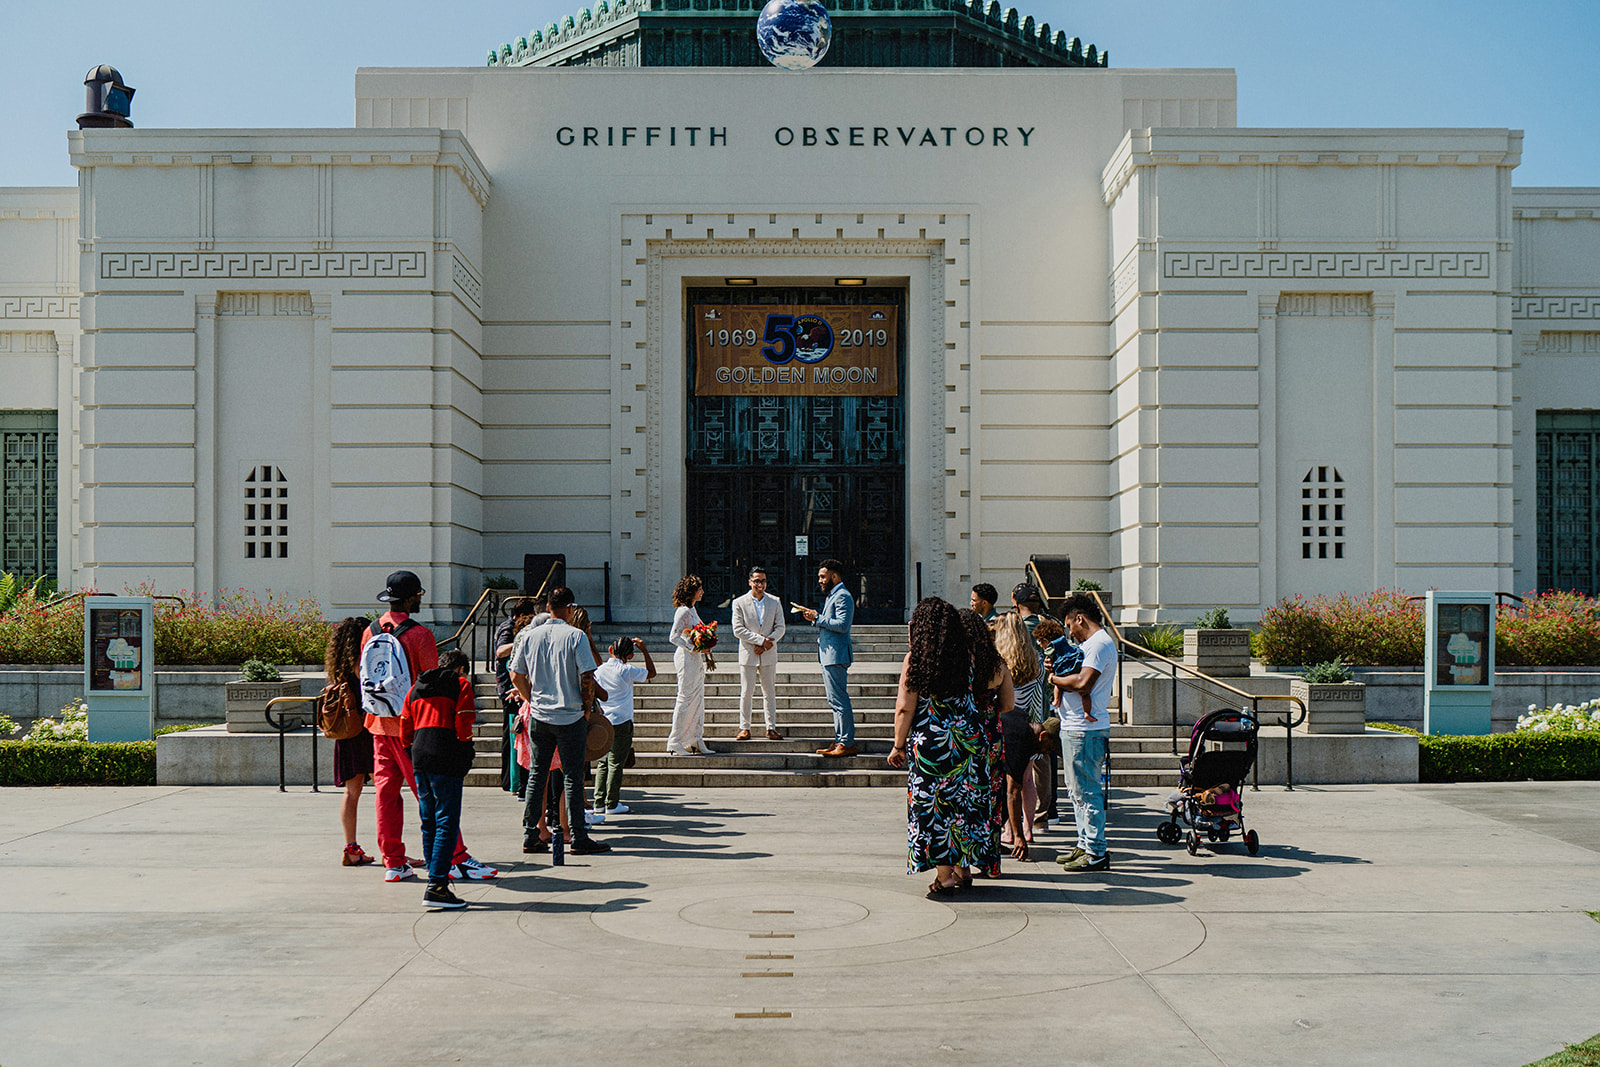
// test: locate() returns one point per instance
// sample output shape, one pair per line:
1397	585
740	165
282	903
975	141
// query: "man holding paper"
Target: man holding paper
833	649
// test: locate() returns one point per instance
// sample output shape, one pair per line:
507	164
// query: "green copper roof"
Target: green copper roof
866	33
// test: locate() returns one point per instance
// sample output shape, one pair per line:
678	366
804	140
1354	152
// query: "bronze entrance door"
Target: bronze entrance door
785	480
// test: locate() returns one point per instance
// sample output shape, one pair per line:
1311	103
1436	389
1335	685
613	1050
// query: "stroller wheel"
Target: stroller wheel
1226	832
1167	833
1194	843
1252	843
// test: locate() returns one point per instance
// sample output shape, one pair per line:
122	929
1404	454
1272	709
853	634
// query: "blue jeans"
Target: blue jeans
834	678
439	802
1085	753
572	741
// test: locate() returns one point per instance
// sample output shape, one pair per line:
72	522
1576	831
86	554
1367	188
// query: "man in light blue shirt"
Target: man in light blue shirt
833	649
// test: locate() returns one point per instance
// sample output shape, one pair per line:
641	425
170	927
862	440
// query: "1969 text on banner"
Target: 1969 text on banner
797	350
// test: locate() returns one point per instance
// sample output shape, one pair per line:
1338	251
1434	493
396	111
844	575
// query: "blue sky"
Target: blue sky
1529	65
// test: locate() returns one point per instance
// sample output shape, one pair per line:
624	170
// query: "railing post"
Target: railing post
1288	754
1255	768
608	591
919	581
1174	669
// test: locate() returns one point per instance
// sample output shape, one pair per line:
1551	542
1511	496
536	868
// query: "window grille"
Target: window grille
1568	487
1322	520
266	513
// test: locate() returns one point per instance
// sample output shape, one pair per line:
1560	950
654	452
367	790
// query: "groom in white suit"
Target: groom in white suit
758	624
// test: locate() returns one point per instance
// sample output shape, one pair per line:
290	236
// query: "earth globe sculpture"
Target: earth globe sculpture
794	34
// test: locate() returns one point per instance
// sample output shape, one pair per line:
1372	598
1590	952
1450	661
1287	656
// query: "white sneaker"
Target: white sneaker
594	818
473	871
620	809
399	874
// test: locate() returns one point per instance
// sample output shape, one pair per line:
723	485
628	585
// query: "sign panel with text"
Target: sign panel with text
793	350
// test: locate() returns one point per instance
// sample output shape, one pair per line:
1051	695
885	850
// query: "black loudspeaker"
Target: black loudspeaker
543	571
1056	574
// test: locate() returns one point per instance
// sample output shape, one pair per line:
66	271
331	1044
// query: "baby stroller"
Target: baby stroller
1209	798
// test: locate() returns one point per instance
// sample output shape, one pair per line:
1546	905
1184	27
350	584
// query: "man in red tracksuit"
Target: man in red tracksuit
390	764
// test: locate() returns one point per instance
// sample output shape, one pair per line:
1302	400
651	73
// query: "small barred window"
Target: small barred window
266	513
1322	520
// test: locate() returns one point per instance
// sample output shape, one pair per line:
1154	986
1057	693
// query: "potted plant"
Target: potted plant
1086	585
246	699
1212	646
501	588
1334	703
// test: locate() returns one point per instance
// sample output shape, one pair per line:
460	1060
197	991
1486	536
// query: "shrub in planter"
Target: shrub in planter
1164	640
1585	716
1512	757
77	763
1549	630
1213	619
1380	627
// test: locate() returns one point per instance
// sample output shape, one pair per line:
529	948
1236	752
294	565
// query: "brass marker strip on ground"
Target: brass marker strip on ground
761	1015
767	956
759	912
773	935
767	974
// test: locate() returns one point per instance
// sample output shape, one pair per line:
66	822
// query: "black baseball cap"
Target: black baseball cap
402	586
1027	593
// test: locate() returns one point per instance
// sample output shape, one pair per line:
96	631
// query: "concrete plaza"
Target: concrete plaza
1380	924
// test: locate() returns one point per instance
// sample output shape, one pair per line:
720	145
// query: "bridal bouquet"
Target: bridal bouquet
703	639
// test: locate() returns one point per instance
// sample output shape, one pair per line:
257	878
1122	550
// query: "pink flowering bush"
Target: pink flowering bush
1384	628
239	626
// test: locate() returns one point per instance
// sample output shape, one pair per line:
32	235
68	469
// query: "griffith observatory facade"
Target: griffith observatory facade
687	314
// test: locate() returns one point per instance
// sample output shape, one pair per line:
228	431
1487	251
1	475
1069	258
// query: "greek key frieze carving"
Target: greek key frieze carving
138	265
38	307
1325	265
1555	307
263	303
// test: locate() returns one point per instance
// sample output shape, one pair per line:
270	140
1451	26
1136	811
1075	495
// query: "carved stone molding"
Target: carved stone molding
138	265
1325	265
32	341
1555	307
38	307
1124	279
1563	343
652	308
263	304
468	282
1325	304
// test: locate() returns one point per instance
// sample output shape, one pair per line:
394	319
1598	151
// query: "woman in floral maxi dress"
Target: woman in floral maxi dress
941	738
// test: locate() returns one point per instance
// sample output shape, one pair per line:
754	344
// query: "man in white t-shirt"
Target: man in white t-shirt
1083	699
617	676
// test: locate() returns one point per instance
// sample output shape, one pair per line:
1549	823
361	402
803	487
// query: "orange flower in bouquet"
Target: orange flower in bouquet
703	639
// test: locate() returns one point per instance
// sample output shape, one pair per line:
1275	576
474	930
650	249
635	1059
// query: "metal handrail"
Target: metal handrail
454	640
64	597
1038	580
1255	700
283	726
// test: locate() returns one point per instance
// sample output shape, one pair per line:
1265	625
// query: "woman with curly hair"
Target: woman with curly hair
352	758
1019	737
689	710
939	736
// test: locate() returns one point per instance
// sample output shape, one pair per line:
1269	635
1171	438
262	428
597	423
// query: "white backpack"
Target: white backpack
385	672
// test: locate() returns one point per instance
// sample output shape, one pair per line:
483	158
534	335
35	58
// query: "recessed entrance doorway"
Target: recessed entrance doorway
796	442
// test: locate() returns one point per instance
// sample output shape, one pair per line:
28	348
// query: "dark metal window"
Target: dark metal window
1322	519
266	513
1568	482
28	477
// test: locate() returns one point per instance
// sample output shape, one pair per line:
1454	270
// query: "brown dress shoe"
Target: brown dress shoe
742	735
838	751
773	735
826	750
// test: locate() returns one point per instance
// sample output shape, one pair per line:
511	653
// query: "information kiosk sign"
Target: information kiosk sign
1458	663
119	676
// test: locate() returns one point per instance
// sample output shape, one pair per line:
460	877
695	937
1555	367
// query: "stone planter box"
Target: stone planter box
246	704
1332	708
1219	653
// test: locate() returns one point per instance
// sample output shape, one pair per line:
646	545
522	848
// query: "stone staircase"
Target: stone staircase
1141	755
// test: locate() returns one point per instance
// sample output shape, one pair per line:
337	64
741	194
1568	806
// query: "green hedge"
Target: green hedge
77	763
1546	755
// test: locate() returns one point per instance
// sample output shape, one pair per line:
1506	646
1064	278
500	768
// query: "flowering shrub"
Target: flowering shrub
72	725
8	725
239	627
1380	627
1383	628
1584	717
